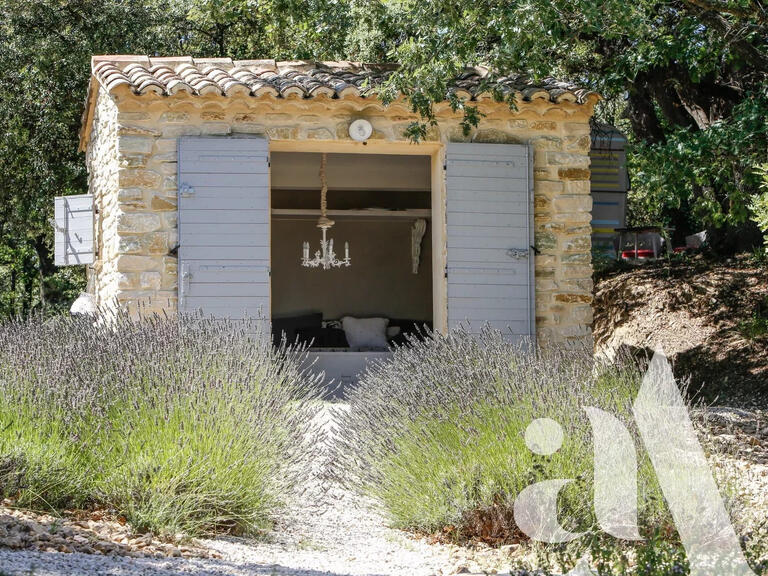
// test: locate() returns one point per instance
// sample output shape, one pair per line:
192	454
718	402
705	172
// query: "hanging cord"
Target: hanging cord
324	221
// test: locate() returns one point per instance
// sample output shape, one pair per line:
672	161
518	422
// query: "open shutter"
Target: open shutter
73	223
224	227
489	261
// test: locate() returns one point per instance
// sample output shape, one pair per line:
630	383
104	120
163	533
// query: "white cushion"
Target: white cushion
393	331
365	332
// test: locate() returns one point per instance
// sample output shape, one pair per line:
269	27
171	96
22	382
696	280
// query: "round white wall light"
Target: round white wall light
360	130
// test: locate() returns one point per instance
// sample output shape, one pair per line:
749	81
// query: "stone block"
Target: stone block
543	125
283	132
579	143
573	173
170	220
318	134
544	260
573	218
129	244
494	136
138	222
573	298
568	159
214	115
574	271
577	244
547	143
545	241
132	160
129	129
138	178
127	281
572	203
582	314
136	263
129	195
215	128
541	203
174	117
163	203
176	130
578	187
548	187
150	280
576	258
135	144
248	128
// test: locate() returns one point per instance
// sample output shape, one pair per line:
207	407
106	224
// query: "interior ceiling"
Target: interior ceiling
301	171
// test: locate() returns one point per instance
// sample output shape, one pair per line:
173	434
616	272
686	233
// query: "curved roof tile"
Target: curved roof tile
198	76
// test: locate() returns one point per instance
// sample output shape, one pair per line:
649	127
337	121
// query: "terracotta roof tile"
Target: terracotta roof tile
300	79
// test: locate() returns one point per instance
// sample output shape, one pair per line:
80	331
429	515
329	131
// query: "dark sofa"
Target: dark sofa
309	329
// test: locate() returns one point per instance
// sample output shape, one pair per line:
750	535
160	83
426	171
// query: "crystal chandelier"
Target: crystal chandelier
324	257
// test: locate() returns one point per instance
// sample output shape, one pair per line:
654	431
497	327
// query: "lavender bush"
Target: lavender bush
188	425
436	434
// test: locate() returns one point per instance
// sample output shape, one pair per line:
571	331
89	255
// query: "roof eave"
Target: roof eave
86	121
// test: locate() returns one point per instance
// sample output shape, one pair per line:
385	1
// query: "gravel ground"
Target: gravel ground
344	535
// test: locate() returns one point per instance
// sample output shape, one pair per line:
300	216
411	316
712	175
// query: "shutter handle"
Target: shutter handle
186	191
518	253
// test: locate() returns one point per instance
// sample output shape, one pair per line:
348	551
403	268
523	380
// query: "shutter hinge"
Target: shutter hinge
186	191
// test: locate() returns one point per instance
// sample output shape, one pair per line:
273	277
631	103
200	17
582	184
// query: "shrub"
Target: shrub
188	425
436	434
759	205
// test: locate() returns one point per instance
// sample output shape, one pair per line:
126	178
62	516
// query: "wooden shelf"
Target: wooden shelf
371	213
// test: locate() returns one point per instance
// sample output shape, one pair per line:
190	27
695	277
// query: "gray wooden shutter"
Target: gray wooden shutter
489	261
73	224
224	227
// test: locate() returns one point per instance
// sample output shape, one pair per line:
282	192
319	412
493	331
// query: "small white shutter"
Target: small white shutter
489	260
224	227
73	223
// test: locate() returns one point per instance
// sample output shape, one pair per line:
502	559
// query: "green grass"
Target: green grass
193	428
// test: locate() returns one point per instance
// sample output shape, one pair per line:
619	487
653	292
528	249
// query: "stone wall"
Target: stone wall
103	169
135	162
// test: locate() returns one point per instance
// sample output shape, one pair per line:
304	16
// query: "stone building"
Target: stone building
205	182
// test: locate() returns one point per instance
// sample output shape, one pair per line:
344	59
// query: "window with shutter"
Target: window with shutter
73	224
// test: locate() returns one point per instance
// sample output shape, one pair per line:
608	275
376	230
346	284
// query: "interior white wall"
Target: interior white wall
378	283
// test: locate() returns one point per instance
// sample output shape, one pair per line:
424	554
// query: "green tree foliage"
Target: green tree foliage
45	52
685	78
759	205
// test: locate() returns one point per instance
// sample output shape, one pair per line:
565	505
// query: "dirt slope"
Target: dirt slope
709	317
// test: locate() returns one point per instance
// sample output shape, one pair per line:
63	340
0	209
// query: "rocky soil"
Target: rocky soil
708	316
87	533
